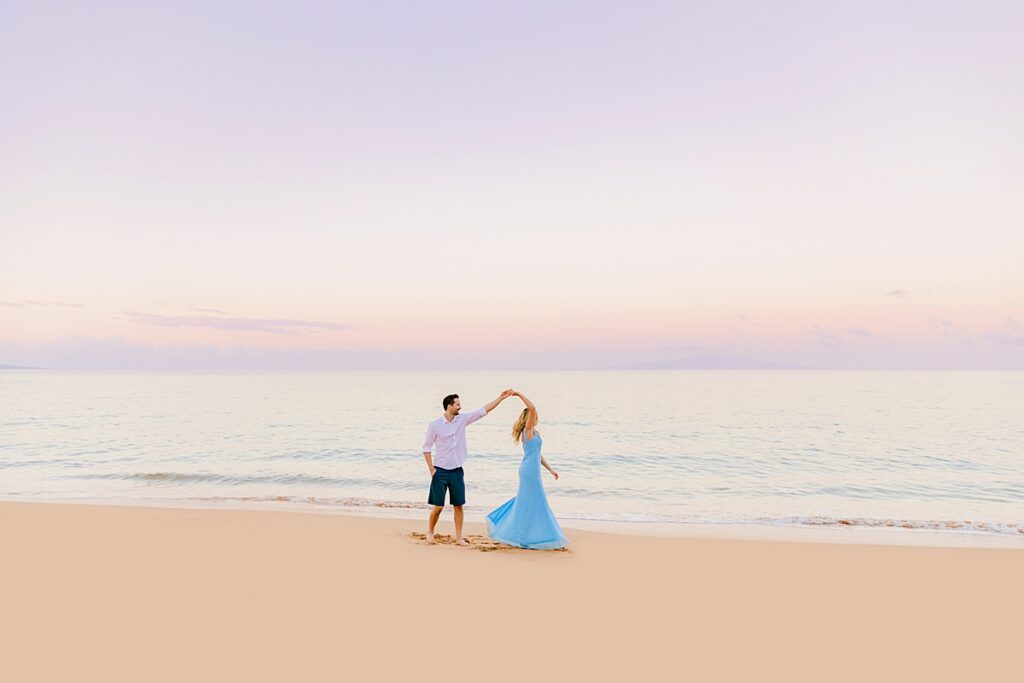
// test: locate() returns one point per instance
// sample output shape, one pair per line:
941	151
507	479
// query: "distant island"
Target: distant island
17	367
711	363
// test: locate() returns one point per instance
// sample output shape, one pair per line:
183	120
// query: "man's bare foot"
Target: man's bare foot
461	541
430	537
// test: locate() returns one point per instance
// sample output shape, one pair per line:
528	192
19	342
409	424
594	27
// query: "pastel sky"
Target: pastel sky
528	184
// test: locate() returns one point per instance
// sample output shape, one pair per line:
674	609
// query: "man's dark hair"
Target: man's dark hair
448	400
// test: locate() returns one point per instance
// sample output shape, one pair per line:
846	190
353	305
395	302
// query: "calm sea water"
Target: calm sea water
920	450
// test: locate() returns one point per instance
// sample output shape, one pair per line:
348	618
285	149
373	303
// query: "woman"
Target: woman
526	520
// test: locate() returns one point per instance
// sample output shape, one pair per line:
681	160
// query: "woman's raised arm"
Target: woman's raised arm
531	417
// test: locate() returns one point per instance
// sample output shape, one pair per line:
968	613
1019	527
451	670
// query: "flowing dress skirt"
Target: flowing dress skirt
527	521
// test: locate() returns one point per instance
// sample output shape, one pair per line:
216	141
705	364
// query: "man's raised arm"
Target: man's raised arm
480	412
501	397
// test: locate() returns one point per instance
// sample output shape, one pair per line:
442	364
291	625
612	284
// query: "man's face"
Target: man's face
456	407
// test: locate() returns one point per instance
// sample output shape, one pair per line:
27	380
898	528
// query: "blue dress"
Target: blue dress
526	520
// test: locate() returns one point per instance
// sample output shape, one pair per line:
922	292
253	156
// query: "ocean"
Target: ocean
918	451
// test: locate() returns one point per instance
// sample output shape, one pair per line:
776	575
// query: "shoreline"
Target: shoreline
748	531
125	593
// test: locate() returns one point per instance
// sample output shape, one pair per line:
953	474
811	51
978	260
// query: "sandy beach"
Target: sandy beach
130	593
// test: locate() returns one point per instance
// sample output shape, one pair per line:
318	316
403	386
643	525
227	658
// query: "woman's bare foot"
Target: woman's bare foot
430	537
461	541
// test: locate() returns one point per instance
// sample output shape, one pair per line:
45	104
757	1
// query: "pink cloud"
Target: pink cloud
270	325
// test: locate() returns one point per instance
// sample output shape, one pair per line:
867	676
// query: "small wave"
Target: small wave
175	477
314	500
1008	528
234	480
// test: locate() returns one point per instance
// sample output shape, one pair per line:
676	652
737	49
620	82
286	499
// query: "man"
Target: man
449	433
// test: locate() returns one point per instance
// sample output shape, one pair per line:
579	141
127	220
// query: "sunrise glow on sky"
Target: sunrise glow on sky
537	185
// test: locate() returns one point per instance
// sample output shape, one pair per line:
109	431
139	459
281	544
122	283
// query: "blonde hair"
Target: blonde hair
520	425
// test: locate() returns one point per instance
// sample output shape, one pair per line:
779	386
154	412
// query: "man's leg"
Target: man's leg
458	526
458	499
438	488
435	513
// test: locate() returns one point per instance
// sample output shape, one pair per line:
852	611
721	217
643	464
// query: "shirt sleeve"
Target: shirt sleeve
475	415
429	439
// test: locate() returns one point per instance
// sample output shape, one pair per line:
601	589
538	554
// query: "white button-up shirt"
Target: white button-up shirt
450	438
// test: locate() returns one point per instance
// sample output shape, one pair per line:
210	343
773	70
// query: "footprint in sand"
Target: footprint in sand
481	543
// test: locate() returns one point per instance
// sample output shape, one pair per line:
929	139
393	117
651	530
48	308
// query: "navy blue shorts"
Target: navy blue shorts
452	481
